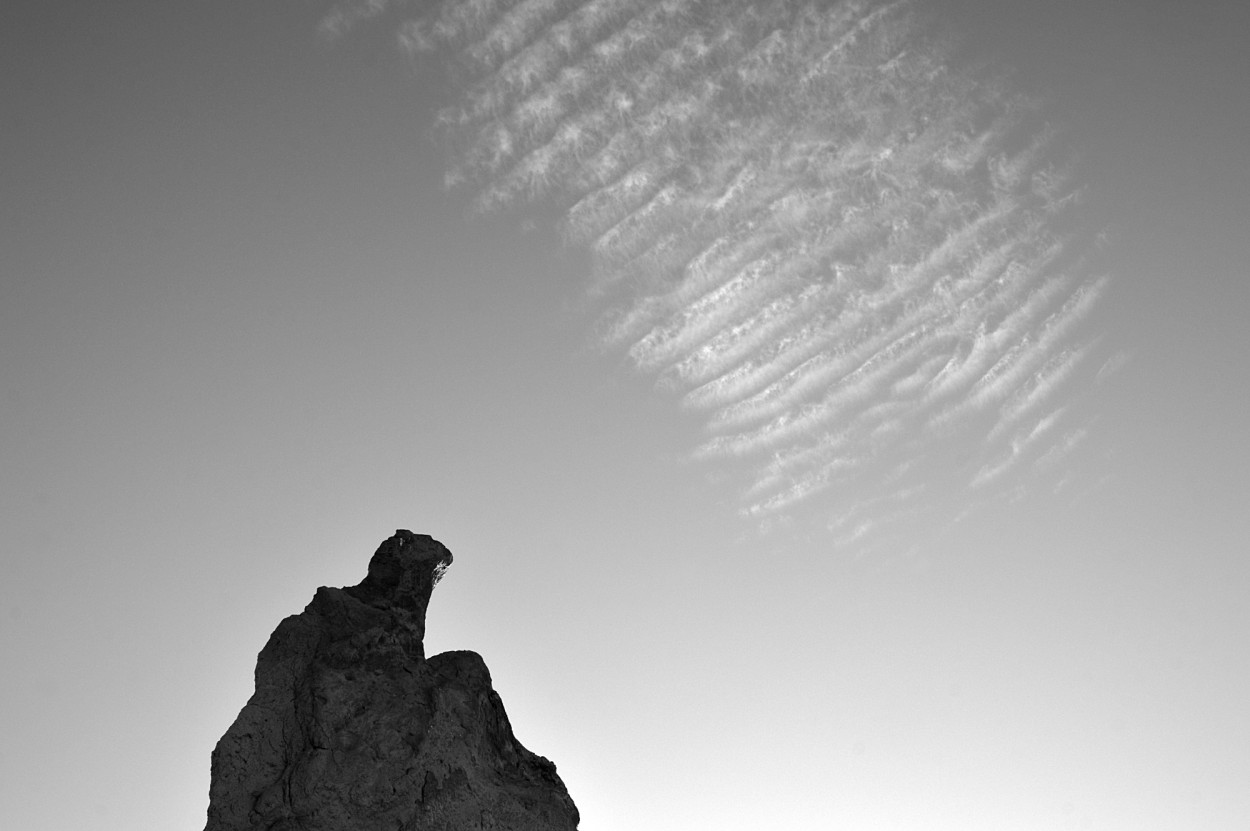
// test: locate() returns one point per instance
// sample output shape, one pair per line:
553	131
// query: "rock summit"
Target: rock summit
352	728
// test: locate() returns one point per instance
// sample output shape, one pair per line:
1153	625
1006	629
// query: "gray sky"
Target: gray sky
245	333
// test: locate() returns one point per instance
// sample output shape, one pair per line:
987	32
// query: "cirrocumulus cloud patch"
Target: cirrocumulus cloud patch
867	270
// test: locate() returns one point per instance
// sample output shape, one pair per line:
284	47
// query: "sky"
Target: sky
836	416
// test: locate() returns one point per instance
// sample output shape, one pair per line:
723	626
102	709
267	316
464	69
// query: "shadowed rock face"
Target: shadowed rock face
352	728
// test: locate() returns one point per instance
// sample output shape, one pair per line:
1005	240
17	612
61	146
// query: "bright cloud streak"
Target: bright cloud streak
804	223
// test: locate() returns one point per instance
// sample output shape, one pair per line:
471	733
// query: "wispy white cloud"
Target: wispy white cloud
1061	449
1041	386
1113	365
1017	450
344	17
804	222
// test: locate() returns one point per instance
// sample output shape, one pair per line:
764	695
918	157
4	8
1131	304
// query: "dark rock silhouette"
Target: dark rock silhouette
351	728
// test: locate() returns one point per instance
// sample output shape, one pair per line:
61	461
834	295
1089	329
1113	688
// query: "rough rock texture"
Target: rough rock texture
351	728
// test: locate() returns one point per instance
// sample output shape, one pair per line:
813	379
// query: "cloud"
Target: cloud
1043	384
804	222
1018	449
343	18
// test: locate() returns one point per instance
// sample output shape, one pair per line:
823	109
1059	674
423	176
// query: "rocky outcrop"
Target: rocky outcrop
352	728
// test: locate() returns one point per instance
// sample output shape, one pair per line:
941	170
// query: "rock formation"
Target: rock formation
352	728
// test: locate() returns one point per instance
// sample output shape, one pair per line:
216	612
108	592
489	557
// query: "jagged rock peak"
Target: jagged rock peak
403	573
351	727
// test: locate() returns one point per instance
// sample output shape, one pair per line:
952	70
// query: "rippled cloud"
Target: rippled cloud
866	269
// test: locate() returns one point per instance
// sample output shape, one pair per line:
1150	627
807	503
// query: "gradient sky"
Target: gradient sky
245	333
